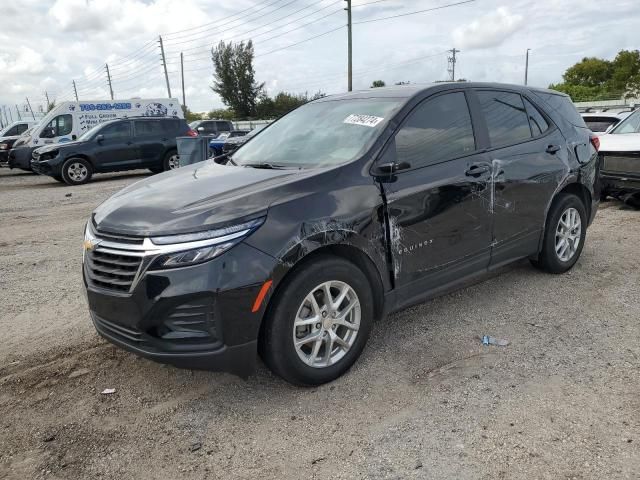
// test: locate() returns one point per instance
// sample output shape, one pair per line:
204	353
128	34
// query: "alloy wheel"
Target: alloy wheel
326	324
77	172
174	162
568	234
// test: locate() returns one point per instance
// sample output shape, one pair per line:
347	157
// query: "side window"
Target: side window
505	116
631	124
538	124
439	129
59	126
148	128
116	131
172	127
223	126
208	127
12	132
21	128
561	105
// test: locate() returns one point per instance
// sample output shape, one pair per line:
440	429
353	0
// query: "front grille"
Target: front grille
113	271
119	238
621	163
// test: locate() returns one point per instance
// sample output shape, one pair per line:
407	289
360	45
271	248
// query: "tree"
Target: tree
378	84
222	114
282	103
189	116
51	105
234	77
600	79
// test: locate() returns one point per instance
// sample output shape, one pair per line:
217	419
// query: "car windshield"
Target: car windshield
88	135
631	124
319	134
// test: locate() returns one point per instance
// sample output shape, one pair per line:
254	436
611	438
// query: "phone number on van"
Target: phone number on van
104	106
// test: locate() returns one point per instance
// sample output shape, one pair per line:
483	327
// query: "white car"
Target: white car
620	160
601	122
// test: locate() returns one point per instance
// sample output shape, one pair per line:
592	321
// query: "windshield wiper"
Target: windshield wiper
266	166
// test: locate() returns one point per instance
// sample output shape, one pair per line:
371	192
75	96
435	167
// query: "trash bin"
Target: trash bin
193	149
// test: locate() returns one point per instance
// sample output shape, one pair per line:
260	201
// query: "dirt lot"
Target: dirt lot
426	400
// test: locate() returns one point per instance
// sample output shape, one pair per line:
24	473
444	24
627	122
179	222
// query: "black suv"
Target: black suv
123	144
346	209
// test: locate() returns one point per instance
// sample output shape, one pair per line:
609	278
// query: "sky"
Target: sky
300	45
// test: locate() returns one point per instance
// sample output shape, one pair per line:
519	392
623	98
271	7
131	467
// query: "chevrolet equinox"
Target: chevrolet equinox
344	210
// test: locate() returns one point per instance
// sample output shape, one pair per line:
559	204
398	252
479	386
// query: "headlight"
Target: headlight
193	248
3	146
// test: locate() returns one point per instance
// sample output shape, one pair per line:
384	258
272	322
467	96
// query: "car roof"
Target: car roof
411	90
618	116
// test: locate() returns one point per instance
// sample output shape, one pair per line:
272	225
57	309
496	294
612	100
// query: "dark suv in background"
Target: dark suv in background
211	127
123	144
343	210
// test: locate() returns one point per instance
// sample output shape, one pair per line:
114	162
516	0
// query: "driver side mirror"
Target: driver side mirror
100	138
200	129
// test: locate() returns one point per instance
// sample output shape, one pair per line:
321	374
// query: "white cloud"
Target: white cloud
487	31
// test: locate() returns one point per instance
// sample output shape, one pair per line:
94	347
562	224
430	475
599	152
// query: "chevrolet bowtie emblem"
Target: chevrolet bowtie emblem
89	245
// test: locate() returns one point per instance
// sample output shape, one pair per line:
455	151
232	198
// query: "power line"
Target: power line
302	41
414	13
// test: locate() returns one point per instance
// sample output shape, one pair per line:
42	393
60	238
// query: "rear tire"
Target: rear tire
171	161
300	311
564	235
76	171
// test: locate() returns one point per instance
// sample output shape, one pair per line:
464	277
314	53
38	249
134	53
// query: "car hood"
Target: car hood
193	198
623	142
58	146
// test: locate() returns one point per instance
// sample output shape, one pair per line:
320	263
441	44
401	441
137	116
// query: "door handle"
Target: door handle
552	148
477	169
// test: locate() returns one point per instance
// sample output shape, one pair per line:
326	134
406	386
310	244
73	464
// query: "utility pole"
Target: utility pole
30	109
10	114
106	66
18	112
452	64
526	67
164	64
349	49
75	90
184	101
46	95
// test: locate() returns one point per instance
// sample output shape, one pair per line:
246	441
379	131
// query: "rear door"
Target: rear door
150	138
528	157
117	149
438	215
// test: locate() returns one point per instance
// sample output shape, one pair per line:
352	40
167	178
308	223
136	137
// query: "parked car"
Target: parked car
215	144
620	161
10	135
124	144
69	120
211	127
232	144
601	122
347	208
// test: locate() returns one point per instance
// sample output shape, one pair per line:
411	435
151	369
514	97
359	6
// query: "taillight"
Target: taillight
595	141
192	133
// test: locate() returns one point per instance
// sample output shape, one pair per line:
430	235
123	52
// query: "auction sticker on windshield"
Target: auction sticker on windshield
364	120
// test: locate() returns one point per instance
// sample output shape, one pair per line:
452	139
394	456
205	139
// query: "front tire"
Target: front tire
318	322
76	171
171	161
564	235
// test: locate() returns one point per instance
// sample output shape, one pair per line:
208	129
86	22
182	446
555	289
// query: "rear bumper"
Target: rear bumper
616	183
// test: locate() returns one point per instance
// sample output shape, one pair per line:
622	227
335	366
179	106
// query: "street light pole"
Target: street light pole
526	67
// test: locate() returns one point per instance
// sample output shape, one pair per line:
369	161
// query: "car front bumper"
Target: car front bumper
20	158
200	316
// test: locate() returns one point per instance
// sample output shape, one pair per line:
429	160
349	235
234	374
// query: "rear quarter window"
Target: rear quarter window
562	105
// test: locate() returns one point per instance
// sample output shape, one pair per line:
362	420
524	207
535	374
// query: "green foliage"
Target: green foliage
378	84
599	79
189	116
222	114
234	77
51	105
282	103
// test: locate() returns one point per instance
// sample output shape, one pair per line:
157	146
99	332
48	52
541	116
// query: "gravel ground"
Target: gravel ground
426	399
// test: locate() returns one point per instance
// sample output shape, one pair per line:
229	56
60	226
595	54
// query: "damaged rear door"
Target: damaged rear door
437	198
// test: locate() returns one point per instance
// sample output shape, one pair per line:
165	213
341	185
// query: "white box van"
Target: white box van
68	120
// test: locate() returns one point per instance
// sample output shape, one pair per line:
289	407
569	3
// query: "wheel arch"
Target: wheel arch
83	156
343	251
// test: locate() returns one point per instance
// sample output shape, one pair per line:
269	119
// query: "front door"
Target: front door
116	149
438	208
